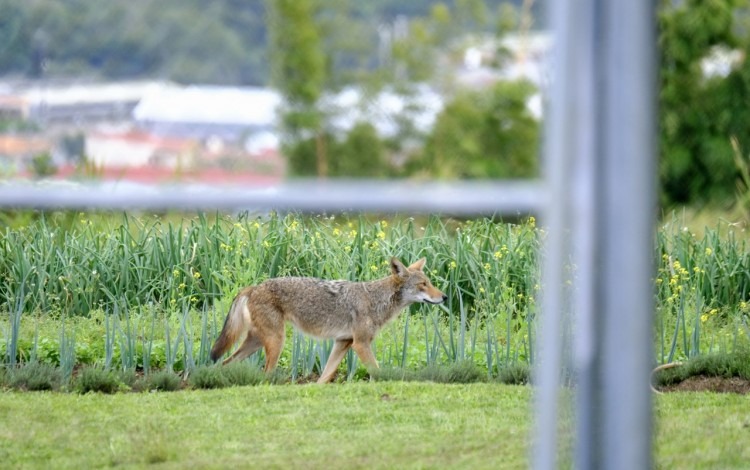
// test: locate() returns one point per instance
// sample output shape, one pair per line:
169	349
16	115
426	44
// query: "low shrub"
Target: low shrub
164	381
514	373
711	365
459	372
35	376
94	379
208	377
242	373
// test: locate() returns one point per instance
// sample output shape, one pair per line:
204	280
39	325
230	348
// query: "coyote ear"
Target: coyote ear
419	264
397	268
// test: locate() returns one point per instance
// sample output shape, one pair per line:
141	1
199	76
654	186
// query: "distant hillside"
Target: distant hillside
222	41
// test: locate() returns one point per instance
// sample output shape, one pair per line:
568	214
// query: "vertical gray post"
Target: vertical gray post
624	293
599	159
560	128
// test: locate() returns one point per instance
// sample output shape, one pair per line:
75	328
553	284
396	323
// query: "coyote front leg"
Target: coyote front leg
364	351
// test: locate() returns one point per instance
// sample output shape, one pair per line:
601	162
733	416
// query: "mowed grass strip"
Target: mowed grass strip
361	425
697	430
354	425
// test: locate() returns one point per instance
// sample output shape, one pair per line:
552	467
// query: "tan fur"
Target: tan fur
351	313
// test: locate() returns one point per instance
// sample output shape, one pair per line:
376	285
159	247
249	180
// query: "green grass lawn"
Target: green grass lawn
372	425
368	425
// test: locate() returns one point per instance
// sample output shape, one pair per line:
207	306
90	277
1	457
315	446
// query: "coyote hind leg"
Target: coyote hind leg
251	344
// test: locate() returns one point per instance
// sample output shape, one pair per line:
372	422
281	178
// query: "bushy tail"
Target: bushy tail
236	323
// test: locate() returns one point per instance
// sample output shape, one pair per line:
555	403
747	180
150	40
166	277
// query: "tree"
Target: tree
298	72
361	154
699	113
15	54
486	134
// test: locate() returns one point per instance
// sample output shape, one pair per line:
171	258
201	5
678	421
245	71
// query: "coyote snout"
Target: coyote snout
351	313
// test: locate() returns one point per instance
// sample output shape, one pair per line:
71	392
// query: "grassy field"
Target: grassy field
355	425
369	425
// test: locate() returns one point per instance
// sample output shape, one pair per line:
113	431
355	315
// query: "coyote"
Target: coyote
351	313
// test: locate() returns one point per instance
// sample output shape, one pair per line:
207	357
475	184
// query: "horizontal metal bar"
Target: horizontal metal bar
512	197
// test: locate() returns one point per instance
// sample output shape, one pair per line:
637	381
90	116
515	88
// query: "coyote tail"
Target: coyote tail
236	322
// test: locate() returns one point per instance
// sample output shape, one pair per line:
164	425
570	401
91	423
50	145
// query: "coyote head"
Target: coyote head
414	284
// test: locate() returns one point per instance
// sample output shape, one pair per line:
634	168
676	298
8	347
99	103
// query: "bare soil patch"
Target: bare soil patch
703	383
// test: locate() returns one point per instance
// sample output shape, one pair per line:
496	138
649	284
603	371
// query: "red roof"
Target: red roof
155	175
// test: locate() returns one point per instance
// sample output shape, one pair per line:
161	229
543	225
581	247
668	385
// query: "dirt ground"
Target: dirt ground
702	383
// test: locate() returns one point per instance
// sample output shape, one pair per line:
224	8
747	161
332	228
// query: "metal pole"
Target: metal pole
599	157
626	237
557	158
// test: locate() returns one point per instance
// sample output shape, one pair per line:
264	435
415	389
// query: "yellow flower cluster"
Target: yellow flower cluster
709	314
499	254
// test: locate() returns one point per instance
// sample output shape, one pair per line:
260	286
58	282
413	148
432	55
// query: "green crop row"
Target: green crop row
150	293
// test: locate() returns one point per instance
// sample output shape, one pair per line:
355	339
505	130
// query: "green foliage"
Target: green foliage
514	373
457	372
208	377
699	114
163	381
298	64
149	294
362	154
172	39
231	375
96	379
302	155
42	166
486	134
34	376
702	292
724	365
242	374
